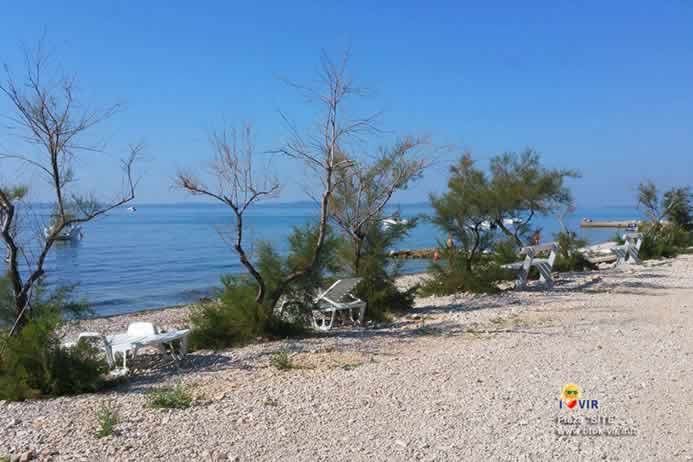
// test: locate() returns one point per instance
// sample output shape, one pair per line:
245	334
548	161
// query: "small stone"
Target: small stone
38	423
401	443
27	456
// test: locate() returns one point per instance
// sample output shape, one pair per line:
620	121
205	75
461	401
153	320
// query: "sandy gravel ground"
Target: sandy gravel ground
479	381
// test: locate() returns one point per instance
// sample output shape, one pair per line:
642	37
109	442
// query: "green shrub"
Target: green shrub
34	364
505	251
238	318
568	258
282	361
379	273
176	397
663	241
451	275
107	419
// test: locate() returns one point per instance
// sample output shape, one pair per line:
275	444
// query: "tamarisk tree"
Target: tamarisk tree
238	188
364	189
322	153
520	188
52	123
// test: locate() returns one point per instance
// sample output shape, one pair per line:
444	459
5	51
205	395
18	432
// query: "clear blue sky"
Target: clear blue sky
604	87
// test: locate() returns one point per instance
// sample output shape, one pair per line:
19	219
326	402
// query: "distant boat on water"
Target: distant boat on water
393	221
132	209
487	225
68	233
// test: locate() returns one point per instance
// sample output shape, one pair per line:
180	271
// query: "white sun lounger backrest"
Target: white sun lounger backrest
99	341
544	269
340	289
142	329
633	242
637	237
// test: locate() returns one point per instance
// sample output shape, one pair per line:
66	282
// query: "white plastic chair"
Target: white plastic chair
628	252
544	265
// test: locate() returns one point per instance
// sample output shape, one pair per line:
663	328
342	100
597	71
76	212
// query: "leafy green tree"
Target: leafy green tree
677	203
662	239
520	187
477	203
364	189
465	211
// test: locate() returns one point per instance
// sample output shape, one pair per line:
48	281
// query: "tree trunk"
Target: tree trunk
322	232
358	248
259	298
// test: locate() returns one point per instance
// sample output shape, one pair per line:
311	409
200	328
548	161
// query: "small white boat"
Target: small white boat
393	221
487	225
68	233
132	209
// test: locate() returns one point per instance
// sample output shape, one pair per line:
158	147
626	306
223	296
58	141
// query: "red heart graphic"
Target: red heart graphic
571	404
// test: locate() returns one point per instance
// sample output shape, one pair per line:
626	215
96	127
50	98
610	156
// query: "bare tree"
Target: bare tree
52	123
363	190
323	151
237	187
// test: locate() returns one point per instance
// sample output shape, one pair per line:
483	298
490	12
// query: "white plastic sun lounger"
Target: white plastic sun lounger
544	265
138	336
628	252
608	252
332	300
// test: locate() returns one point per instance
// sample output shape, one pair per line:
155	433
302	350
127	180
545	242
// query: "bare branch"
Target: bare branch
238	187
48	115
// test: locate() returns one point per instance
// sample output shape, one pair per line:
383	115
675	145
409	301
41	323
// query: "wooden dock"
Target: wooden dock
587	223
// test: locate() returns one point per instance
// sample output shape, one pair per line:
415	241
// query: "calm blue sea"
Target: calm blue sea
164	255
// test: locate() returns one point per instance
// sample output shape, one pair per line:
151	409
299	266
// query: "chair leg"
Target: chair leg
521	282
633	257
545	275
547	278
620	255
184	346
334	314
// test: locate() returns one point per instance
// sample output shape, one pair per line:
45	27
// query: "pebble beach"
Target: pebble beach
459	378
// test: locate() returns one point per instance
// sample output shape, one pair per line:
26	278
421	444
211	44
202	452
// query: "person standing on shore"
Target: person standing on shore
536	237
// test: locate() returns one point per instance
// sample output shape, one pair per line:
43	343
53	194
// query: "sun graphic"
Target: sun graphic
570	393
